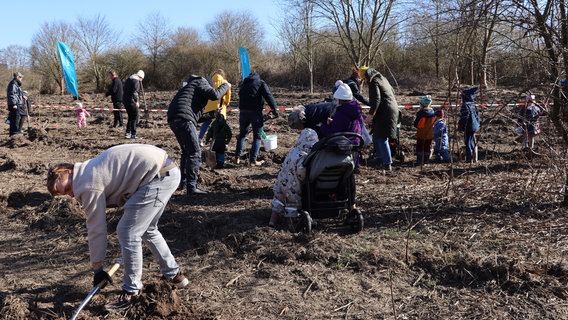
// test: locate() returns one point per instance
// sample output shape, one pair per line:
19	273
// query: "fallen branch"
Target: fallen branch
344	306
308	289
232	281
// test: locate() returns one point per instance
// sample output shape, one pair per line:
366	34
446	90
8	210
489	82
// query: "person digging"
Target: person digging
141	179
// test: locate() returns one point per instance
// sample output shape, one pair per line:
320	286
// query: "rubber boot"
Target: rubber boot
419	156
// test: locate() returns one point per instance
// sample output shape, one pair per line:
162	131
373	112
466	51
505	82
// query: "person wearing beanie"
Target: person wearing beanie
424	124
354	82
469	123
15	98
114	90
311	116
383	113
348	116
81	115
441	138
131	100
528	121
218	78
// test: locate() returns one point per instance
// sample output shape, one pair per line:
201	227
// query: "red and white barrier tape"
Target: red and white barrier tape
414	106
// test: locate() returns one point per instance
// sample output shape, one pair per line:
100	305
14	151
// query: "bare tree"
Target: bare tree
361	25
44	54
153	35
231	30
548	21
298	34
94	36
186	55
15	57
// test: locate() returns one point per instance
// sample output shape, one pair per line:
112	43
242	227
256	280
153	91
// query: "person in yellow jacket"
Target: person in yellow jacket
218	79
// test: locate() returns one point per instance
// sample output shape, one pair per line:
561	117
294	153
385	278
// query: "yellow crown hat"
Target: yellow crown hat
363	72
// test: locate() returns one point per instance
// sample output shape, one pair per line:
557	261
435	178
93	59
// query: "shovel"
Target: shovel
96	289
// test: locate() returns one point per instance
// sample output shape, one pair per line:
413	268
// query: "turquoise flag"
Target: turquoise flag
68	68
245	63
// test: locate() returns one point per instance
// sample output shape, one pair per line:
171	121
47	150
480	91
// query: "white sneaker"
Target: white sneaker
127	135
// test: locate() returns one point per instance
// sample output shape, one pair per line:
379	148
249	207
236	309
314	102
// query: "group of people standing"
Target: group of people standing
127	97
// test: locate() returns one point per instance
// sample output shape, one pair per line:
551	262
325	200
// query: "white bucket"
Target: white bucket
271	142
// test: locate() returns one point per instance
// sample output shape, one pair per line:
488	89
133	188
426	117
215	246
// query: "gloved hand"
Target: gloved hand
101	275
274	114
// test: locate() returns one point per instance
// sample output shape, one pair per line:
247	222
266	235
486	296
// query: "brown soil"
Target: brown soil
444	241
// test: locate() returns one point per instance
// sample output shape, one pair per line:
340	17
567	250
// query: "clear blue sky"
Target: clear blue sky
22	19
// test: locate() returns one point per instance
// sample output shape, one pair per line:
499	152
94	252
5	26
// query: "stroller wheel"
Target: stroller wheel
306	222
355	219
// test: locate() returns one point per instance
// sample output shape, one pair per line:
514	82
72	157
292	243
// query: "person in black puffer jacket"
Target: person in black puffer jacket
183	113
252	94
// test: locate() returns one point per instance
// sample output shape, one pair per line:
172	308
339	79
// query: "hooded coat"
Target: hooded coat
288	186
212	105
253	92
383	105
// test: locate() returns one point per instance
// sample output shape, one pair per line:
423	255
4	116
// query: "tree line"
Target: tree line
485	42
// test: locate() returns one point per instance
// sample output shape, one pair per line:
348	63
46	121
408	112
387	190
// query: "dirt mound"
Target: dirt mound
160	301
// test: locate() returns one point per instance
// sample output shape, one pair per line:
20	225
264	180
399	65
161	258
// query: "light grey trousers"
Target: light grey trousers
139	224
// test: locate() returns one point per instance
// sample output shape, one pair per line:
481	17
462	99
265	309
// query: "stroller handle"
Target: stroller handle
346	134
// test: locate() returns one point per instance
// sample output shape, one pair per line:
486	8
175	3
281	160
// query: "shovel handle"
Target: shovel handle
115	267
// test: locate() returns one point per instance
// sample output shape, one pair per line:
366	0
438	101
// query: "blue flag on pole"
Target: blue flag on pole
245	63
68	68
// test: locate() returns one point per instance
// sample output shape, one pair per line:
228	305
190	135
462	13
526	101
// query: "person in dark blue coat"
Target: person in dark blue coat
16	101
469	123
252	95
311	116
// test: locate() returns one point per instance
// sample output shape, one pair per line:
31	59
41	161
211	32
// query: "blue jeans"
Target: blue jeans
382	150
139	223
203	129
186	135
246	119
220	157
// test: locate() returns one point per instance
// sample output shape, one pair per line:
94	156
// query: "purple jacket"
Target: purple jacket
347	118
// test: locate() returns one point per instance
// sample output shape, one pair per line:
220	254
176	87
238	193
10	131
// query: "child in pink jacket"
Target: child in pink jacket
81	113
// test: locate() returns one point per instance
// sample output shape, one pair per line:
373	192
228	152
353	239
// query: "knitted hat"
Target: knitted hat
140	74
425	101
355	74
363	72
296	119
336	85
343	92
439	113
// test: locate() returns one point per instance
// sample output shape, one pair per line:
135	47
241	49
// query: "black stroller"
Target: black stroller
329	189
